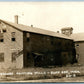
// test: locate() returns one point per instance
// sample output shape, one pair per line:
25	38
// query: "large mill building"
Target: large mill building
24	46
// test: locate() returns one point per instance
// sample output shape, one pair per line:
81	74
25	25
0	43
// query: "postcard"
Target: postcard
42	42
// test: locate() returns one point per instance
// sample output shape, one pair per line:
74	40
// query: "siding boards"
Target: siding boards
49	50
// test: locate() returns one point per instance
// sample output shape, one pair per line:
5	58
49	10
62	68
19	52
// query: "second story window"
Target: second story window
28	37
13	36
4	30
1	37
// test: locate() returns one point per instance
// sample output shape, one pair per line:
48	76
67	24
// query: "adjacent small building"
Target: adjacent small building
24	46
79	46
79	43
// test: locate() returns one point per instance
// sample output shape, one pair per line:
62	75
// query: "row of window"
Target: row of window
12	37
14	55
56	43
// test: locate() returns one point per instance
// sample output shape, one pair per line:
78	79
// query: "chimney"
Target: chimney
16	19
31	25
67	31
57	31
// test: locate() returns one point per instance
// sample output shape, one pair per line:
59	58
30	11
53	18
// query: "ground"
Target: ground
50	74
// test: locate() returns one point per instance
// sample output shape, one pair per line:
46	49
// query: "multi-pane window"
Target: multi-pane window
1	37
1	57
14	55
13	36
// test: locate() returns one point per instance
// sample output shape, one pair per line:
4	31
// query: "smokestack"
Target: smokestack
16	19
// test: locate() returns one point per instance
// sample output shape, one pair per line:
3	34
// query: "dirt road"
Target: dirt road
75	79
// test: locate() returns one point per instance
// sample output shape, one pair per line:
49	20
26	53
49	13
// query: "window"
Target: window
52	42
77	44
4	30
1	57
1	40
14	55
28	55
13	36
13	39
1	37
27	39
28	35
48	38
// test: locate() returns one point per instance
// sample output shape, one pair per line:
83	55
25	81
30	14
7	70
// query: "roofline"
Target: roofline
11	25
67	28
33	32
50	35
79	41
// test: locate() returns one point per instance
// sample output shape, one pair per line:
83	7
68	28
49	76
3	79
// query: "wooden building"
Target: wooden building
79	46
24	46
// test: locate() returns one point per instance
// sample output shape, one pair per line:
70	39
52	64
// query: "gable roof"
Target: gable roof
77	36
36	30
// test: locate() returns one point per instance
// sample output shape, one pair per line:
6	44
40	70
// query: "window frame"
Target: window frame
13	57
13	36
2	57
1	38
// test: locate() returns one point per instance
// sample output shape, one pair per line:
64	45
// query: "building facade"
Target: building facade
79	46
23	46
79	43
47	50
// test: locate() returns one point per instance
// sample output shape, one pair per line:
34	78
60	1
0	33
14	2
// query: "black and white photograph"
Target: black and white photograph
42	42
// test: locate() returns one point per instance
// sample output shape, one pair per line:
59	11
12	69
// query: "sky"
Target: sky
51	16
